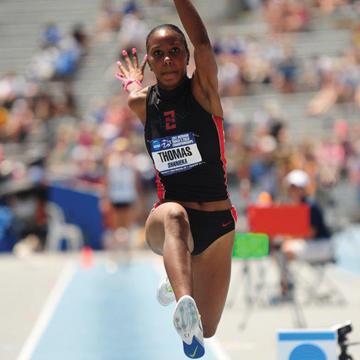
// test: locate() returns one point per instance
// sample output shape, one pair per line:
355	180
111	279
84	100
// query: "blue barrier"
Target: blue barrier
7	235
82	209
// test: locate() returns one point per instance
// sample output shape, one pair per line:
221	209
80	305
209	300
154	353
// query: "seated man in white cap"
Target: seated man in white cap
317	247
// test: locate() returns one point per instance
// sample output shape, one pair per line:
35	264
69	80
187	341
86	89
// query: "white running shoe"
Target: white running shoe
165	293
187	323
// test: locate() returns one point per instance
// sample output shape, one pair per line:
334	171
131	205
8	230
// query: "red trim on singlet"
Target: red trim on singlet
220	131
160	187
234	213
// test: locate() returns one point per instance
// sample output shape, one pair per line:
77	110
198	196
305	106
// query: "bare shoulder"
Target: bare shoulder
137	103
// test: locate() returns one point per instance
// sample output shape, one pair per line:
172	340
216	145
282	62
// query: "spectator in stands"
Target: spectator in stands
286	73
339	81
133	29
67	60
42	64
109	19
20	121
120	194
327	96
81	37
357	96
317	246
44	107
4	115
26	201
354	172
286	15
329	6
130	7
51	35
12	86
264	173
331	159
230	83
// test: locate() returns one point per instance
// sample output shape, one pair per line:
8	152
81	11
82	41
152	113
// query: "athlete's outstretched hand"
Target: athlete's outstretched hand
130	71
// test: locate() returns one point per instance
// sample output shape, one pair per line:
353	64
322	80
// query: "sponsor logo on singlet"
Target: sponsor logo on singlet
173	154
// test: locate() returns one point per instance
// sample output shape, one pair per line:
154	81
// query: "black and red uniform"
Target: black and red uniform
186	144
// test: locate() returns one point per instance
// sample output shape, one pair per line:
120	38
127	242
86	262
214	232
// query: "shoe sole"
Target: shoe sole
186	313
159	298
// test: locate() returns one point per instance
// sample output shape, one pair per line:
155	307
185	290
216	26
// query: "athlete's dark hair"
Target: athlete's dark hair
169	27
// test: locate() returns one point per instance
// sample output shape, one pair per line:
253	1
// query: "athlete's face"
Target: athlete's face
167	57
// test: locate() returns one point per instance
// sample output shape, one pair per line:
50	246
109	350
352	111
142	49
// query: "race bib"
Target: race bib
173	154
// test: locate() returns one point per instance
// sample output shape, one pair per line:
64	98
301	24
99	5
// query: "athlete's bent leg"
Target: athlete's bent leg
211	279
167	232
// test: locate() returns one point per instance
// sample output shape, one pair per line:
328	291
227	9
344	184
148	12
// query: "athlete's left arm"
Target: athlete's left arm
206	69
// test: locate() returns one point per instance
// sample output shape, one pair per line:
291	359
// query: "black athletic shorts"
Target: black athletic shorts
208	226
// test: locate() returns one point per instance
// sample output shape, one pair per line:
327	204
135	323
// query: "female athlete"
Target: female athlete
192	225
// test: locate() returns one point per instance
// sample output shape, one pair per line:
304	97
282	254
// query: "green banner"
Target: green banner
250	246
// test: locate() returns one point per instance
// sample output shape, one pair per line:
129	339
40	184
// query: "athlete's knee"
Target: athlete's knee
176	225
176	214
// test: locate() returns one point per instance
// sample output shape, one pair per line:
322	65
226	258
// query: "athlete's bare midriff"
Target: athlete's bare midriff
205	206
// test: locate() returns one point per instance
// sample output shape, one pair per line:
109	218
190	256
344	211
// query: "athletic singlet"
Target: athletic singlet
186	144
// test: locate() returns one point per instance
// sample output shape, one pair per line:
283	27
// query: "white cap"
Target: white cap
298	178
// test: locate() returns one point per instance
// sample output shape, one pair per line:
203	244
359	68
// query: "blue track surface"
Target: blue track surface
347	246
104	316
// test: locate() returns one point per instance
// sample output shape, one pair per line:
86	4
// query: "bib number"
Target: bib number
174	154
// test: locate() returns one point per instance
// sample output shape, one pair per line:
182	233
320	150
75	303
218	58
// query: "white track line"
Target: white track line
51	303
213	342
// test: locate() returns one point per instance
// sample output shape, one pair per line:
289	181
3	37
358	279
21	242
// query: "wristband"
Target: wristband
127	82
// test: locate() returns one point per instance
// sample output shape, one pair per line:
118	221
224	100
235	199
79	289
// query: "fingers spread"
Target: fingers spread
143	64
120	76
122	68
129	68
135	58
127	60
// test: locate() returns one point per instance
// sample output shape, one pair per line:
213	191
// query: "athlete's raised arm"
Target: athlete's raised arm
206	69
131	74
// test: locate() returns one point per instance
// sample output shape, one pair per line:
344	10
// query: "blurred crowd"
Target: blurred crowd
274	63
260	158
39	107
